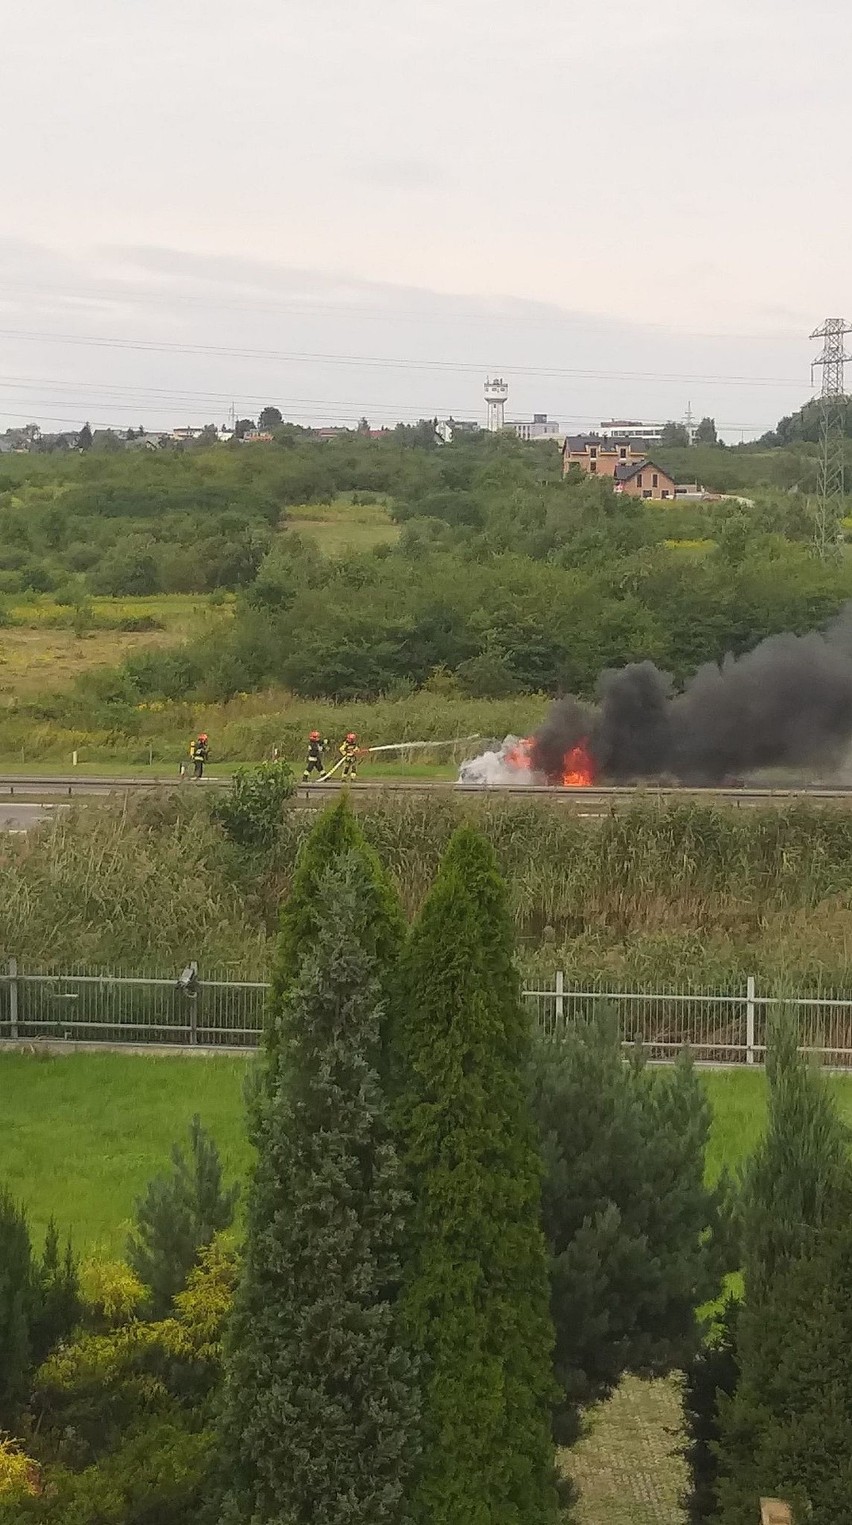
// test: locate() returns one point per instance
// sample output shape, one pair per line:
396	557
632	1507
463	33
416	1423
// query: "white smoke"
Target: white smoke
491	770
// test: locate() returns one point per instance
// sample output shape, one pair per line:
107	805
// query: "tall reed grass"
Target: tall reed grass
687	892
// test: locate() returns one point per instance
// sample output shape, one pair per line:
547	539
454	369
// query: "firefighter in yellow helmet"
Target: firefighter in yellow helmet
349	753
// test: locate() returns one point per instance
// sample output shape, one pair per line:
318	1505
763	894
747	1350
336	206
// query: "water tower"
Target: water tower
496	393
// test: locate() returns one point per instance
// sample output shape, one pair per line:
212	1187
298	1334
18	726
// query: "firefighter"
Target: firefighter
315	762
199	752
349	753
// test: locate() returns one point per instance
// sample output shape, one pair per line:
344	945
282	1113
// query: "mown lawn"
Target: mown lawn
80	1134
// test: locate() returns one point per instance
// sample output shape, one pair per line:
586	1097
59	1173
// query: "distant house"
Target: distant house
623	461
598	455
147	441
644	479
257	437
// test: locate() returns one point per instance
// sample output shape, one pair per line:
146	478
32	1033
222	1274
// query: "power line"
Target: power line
146	398
395	363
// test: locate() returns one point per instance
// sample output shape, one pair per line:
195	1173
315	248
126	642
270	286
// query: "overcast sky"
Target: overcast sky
619	206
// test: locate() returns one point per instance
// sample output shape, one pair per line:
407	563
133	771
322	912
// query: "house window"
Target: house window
665	492
593	450
623	453
639	480
654	480
593	466
647	493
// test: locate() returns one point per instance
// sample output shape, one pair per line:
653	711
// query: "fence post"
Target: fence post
13	998
750	1020
560	996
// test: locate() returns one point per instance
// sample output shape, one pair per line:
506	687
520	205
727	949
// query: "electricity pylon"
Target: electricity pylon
829	507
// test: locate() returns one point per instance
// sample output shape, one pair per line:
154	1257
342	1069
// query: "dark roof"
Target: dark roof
624	471
577	444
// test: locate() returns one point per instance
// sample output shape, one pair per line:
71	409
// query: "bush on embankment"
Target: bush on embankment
689	891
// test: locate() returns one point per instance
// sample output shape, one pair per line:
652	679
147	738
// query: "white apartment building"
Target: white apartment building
633	428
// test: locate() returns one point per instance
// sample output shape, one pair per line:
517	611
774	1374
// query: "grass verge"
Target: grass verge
83	1133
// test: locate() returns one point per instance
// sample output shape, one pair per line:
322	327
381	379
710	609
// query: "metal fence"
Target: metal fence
720	1027
132	1009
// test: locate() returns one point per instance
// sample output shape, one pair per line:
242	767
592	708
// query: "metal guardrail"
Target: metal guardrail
720	1027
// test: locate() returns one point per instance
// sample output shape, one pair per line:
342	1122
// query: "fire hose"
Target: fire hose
400	746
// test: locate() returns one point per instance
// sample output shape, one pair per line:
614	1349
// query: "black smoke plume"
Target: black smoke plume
787	703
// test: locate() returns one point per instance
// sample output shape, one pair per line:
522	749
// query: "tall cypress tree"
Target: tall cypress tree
787	1429
335	833
476	1294
320	1410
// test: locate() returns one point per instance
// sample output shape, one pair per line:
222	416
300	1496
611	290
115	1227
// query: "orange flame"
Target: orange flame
578	769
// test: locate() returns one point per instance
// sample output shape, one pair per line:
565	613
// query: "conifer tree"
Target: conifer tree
320	1411
476	1293
633	1231
787	1429
179	1215
336	832
710	1375
39	1304
57	1305
16	1274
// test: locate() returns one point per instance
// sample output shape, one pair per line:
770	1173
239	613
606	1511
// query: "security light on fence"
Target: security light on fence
188	980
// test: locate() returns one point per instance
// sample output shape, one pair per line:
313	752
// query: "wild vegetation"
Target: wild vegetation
686	893
484	576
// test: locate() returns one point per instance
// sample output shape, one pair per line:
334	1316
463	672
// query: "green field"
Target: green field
342	526
83	1133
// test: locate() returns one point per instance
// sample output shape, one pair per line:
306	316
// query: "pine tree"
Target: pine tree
476	1294
633	1231
320	1414
39	1304
710	1375
16	1274
787	1429
56	1302
178	1216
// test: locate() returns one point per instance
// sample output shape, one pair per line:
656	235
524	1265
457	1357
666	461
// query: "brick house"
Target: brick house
599	455
623	461
644	479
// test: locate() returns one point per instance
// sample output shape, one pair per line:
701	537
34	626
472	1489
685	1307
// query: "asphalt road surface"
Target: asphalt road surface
17	819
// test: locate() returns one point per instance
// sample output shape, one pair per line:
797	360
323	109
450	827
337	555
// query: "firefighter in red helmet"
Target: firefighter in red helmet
315	762
199	752
349	753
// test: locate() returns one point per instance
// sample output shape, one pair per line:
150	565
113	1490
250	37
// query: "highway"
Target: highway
19	818
23	793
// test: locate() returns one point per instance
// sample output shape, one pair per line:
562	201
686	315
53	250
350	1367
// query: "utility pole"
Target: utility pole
689	423
830	490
